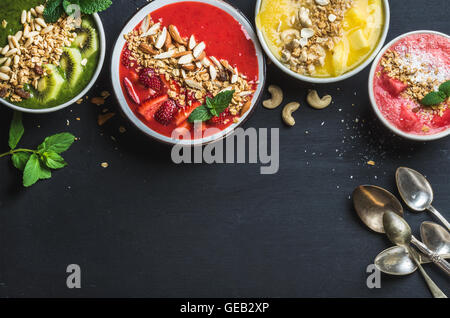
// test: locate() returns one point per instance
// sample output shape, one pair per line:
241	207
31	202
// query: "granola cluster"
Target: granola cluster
184	61
316	28
421	78
39	43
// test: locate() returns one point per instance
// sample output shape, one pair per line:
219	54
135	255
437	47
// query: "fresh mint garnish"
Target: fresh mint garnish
213	107
36	164
54	9
435	98
445	88
16	130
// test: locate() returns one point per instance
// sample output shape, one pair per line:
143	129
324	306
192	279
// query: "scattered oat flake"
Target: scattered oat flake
78	118
98	101
102	119
122	129
105	94
371	163
79	101
104	164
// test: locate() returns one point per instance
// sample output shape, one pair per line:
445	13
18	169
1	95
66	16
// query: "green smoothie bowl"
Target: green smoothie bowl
48	59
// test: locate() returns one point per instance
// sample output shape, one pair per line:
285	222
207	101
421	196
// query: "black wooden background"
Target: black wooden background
149	228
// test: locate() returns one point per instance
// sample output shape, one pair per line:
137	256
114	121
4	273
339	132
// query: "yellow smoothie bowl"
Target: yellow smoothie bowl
290	35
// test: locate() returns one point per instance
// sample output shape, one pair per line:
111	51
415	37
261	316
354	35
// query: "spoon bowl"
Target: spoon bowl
395	261
414	189
397	230
371	202
435	237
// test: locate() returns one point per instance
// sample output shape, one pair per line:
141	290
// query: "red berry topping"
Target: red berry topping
166	112
149	78
126	57
217	120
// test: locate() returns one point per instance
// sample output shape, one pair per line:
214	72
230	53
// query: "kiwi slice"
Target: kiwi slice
50	85
86	40
70	63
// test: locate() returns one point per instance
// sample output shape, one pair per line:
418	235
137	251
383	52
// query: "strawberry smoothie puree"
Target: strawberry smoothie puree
224	37
430	53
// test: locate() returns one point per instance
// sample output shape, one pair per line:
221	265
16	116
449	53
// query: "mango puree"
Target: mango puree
362	25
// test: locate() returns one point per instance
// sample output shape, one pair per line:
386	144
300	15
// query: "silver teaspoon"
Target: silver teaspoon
417	193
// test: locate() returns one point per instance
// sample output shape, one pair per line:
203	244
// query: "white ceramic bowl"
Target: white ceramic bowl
374	104
115	64
101	59
323	80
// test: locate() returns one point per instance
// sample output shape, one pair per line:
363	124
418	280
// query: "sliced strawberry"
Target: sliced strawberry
185	112
408	120
393	86
149	107
130	90
133	76
443	121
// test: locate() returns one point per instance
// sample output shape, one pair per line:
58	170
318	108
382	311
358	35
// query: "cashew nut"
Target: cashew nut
287	113
288	35
276	99
316	102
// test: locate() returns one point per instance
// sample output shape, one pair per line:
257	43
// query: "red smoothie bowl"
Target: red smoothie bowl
174	59
406	70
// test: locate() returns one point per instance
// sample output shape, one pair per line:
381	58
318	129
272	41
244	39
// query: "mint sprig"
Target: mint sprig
54	9
213	107
435	98
36	164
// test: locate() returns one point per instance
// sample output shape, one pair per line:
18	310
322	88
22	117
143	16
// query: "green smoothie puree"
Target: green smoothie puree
66	78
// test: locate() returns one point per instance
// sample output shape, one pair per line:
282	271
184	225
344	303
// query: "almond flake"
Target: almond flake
192	42
190	82
212	72
165	55
216	61
152	31
145	24
186	59
199	49
307	33
161	39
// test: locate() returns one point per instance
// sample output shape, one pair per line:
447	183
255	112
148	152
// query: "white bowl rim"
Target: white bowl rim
137	122
324	80
377	111
101	59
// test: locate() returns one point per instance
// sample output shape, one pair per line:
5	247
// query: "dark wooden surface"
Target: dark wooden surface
149	228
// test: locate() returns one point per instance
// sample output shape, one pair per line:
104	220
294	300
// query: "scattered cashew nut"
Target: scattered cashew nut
276	99
287	113
316	102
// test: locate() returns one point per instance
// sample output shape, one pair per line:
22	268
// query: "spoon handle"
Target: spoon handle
435	258
434	289
439	216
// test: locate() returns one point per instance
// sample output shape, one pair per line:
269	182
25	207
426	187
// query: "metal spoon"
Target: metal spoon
416	191
399	232
395	261
371	202
436	238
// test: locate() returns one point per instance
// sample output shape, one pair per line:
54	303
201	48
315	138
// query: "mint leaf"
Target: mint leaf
221	101
445	88
57	143
32	171
16	130
44	172
20	159
201	113
53	10
213	107
93	6
433	98
53	160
